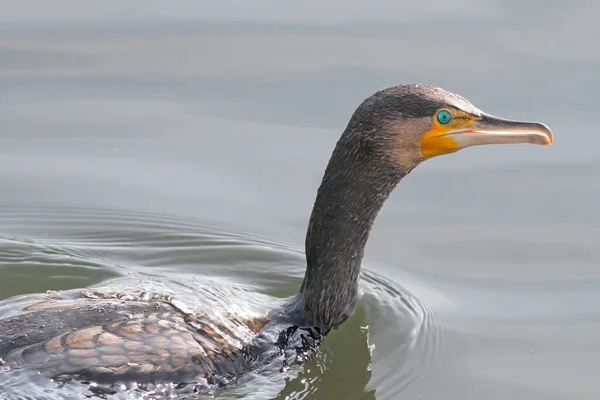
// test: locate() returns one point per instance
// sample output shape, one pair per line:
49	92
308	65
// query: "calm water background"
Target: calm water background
183	142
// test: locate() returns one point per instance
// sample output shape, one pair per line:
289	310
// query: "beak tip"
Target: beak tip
545	137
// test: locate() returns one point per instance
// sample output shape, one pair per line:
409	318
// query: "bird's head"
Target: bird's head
411	123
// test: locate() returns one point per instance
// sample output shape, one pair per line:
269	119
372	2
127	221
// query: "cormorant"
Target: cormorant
145	339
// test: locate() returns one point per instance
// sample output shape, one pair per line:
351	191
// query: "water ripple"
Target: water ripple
236	271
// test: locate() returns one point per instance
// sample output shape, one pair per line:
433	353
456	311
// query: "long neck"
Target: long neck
354	188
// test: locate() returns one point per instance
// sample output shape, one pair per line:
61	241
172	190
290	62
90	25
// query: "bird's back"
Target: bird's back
108	337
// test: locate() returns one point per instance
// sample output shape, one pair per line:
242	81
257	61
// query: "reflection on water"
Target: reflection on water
123	126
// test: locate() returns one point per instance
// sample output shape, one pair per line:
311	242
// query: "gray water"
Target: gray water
179	145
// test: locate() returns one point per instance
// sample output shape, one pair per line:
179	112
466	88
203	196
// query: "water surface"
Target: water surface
180	146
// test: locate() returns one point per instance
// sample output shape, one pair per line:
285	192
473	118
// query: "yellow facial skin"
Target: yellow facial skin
436	142
464	130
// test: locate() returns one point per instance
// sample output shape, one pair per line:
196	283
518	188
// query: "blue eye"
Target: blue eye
444	117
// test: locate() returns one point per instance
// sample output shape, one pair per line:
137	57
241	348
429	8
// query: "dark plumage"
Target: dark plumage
144	339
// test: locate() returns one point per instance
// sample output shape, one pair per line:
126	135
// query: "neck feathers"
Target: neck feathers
355	186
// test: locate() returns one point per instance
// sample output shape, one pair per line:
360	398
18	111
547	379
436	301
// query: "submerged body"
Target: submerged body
109	337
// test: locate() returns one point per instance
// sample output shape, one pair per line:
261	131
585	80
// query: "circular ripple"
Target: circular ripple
211	266
409	337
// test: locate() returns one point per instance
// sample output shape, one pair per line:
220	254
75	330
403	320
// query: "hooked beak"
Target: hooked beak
494	130
487	129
